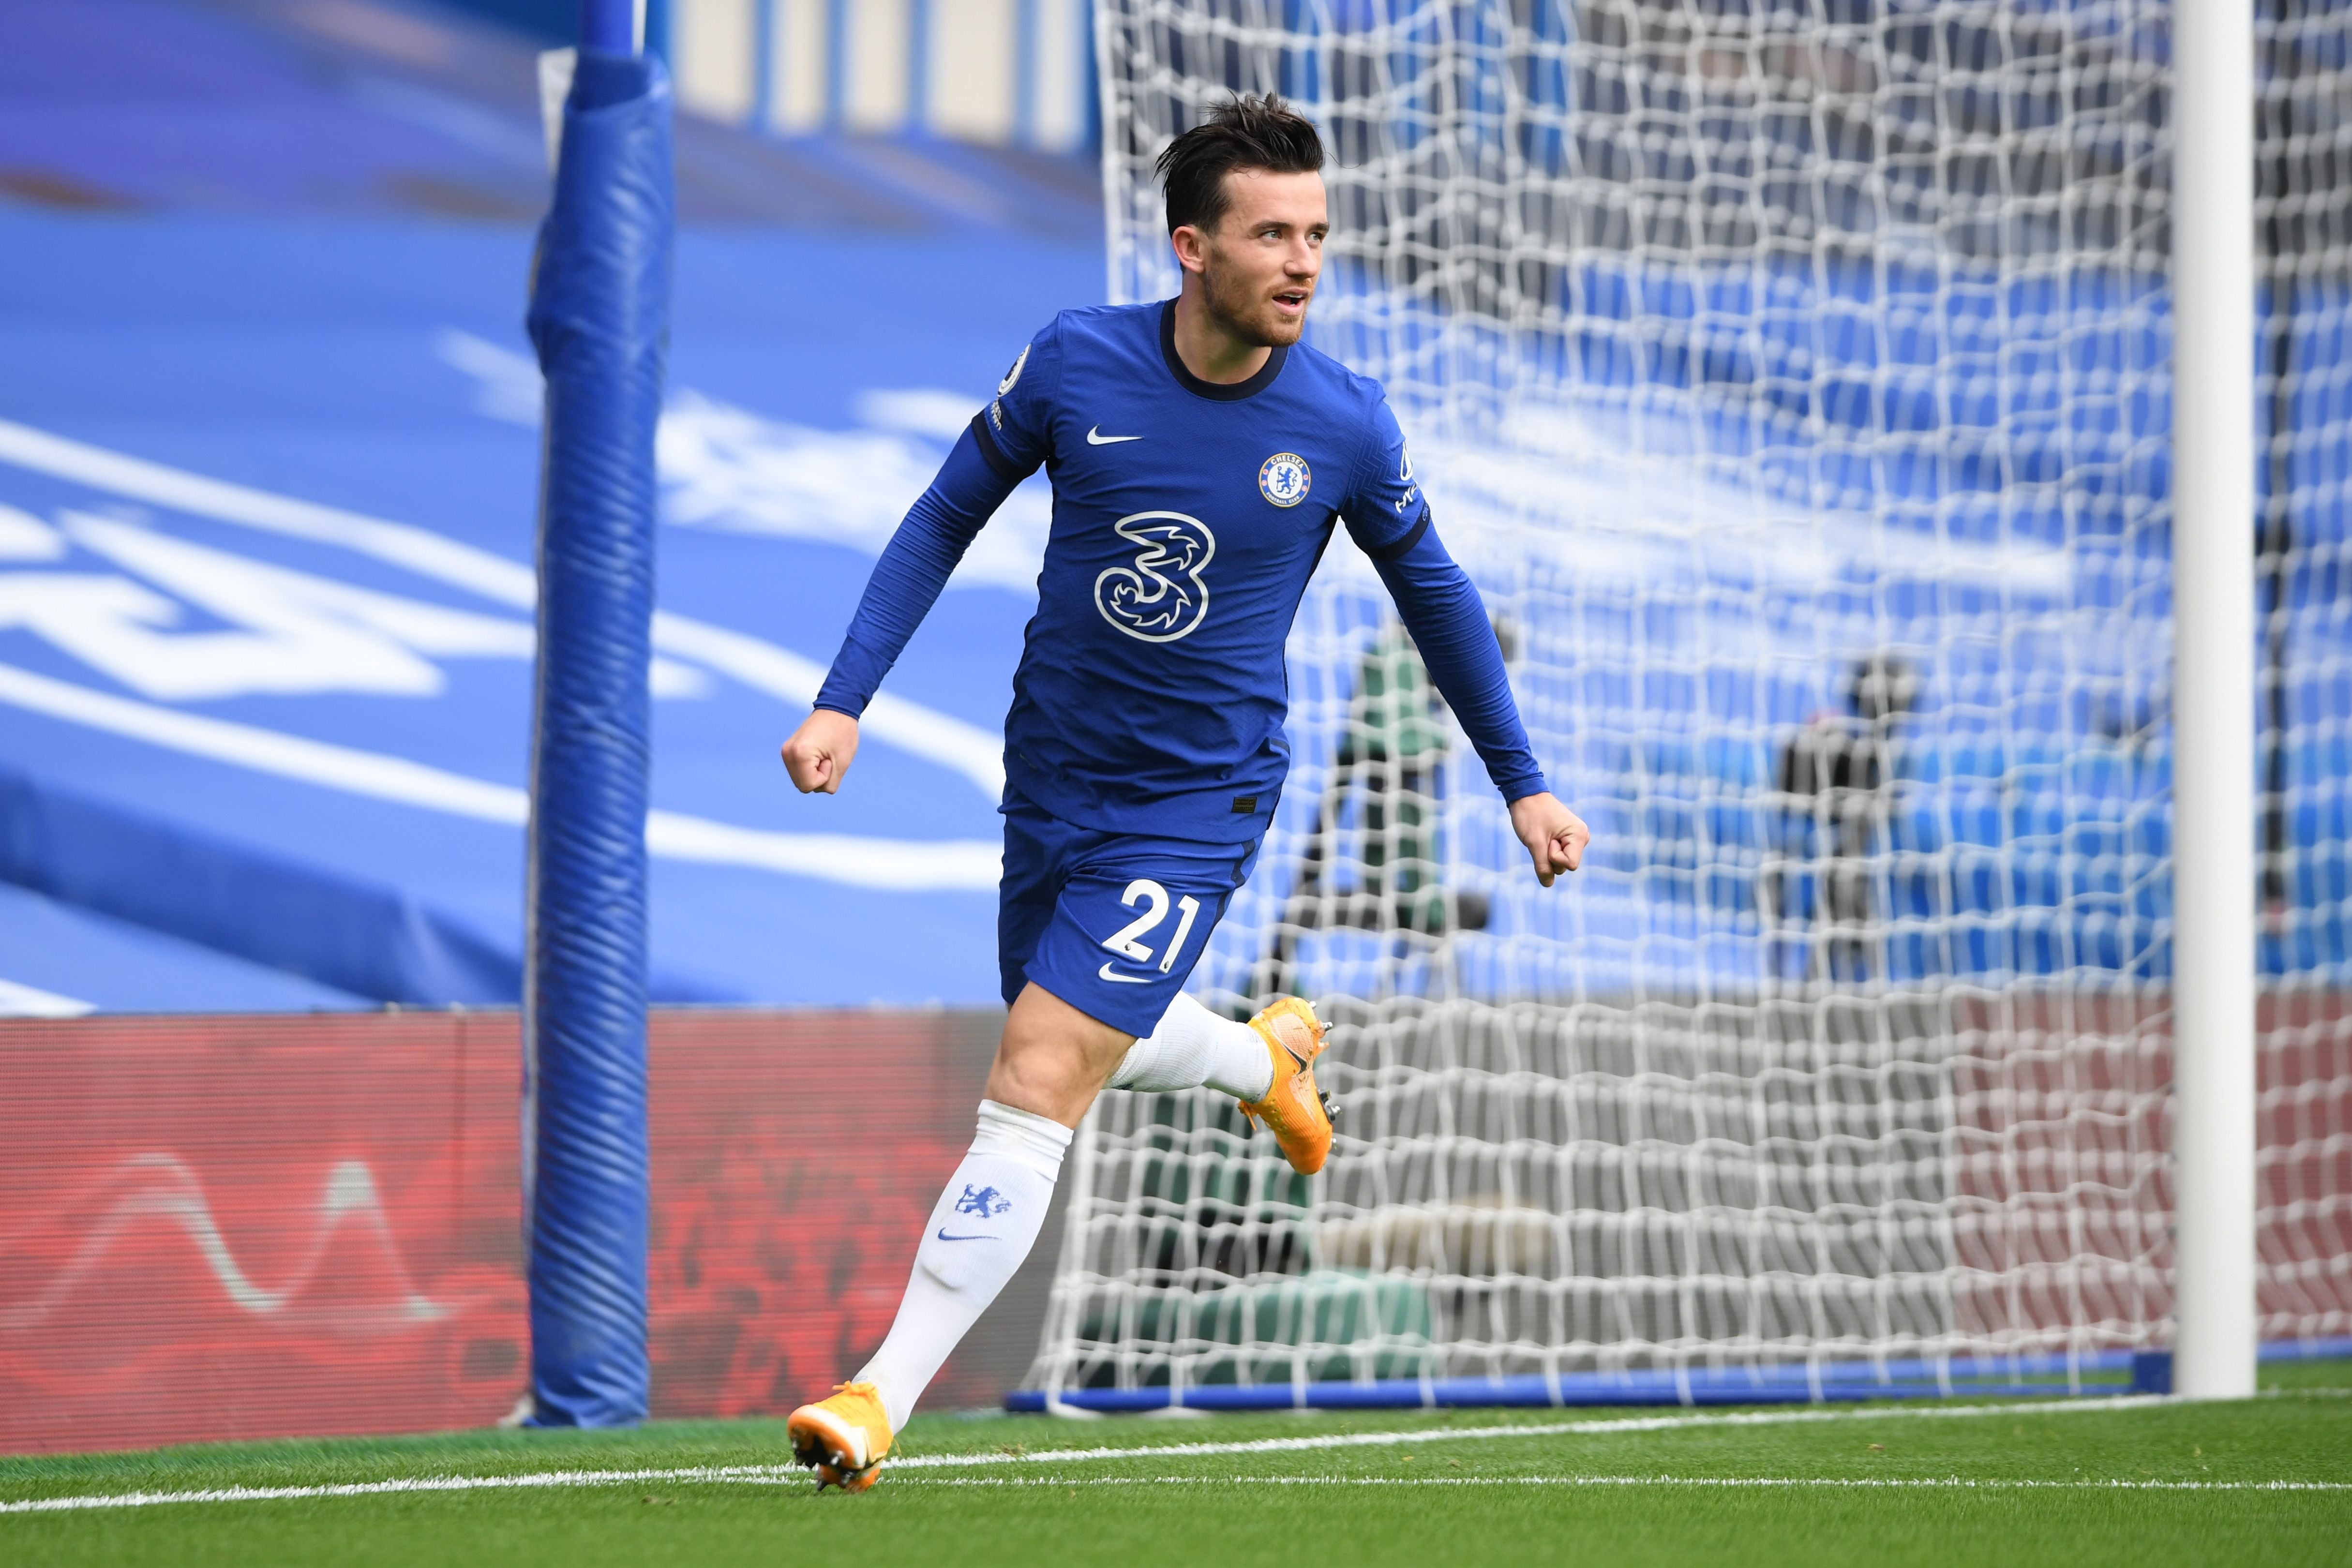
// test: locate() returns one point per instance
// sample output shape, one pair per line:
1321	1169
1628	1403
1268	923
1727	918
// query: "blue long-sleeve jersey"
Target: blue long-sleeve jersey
1188	516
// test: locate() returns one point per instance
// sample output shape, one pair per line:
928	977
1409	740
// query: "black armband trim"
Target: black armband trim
991	454
1404	546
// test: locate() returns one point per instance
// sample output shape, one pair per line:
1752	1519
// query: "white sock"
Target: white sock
980	1230
1191	1046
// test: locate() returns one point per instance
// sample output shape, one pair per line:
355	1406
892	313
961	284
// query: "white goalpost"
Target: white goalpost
2213	699
1845	407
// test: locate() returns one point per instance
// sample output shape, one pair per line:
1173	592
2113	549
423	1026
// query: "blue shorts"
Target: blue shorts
1110	923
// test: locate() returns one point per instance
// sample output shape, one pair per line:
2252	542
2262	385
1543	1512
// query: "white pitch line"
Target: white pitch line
1954	1482
1531	1430
769	1475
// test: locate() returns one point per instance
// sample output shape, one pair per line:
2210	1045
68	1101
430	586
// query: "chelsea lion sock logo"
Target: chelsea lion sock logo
980	1203
985	1202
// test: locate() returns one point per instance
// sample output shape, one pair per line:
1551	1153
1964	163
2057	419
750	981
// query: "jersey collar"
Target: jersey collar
1222	392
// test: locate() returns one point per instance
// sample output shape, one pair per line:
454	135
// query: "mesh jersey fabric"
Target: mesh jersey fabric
1188	516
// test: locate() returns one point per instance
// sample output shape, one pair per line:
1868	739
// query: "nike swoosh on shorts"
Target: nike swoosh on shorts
1095	437
945	1237
1123	979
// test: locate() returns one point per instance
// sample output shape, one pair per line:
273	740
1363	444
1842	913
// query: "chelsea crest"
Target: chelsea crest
1284	479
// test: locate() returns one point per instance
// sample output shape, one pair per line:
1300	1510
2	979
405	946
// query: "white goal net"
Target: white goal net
1792	379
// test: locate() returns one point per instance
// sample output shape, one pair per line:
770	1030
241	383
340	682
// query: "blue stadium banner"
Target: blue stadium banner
599	318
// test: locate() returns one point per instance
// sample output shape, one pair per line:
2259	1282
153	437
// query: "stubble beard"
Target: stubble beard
1248	314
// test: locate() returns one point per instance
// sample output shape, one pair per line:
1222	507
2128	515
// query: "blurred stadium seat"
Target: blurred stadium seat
269	462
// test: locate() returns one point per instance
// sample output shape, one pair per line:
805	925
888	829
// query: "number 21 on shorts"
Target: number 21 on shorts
1154	898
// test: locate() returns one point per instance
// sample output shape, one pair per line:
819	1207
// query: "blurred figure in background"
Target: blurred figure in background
1387	769
1832	778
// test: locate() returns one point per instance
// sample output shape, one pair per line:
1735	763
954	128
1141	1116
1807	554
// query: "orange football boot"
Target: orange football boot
843	1438
1299	1113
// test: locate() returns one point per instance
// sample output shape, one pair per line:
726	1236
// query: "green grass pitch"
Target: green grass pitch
2266	1481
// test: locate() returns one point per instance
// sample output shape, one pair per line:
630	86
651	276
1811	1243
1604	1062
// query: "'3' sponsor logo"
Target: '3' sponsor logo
1161	597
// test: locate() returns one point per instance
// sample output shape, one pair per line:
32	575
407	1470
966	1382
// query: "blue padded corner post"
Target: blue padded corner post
608	26
599	317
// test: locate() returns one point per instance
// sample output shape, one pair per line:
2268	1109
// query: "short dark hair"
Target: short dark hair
1245	132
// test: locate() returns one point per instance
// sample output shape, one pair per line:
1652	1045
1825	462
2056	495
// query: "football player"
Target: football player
1201	456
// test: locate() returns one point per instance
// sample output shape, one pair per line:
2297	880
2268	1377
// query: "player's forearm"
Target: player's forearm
915	567
1448	622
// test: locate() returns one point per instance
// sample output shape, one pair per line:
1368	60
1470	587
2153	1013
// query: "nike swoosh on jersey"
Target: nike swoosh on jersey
945	1237
1095	437
1123	979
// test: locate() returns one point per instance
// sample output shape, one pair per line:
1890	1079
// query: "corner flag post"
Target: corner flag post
599	318
2213	706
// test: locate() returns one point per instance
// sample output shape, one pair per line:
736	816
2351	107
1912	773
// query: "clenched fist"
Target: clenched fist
820	751
1554	835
